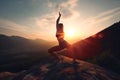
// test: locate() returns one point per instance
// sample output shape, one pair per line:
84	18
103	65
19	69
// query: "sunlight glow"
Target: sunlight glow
70	33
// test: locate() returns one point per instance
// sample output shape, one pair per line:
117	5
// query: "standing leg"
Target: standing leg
69	47
71	53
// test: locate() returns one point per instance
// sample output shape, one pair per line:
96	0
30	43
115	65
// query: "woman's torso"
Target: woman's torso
60	32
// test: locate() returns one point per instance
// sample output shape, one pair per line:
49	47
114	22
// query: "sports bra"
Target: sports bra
60	34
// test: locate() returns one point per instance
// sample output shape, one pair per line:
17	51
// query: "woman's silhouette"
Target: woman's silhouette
62	43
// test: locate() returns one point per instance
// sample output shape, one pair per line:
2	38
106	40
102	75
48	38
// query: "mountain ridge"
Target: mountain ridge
102	48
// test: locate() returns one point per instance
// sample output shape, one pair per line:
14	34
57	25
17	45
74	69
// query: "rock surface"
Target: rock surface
64	70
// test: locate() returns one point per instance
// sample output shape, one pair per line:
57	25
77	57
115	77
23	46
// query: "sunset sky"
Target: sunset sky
36	18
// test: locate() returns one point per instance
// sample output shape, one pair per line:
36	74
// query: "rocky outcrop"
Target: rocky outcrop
65	70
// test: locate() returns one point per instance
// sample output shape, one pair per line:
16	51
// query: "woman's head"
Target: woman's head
60	24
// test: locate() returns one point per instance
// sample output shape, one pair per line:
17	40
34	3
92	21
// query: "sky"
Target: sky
35	19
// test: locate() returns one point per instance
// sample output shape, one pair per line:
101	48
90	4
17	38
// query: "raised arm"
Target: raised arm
58	19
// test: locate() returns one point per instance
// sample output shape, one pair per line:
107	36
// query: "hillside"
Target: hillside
102	48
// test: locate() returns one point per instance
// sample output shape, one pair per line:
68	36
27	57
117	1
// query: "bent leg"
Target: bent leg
70	50
53	50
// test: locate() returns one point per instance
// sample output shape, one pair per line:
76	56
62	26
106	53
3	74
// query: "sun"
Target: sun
70	33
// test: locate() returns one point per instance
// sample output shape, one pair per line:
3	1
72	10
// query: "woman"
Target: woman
62	43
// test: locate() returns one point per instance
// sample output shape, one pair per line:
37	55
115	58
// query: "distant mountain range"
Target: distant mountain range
17	51
13	42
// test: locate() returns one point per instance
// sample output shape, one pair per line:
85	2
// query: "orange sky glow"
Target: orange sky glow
36	19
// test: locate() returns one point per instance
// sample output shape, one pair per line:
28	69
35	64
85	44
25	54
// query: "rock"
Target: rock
66	70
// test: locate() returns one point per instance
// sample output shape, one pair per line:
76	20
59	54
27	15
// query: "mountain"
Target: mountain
15	51
13	42
65	70
103	48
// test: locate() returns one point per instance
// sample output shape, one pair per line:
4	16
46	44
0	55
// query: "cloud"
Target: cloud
46	22
66	8
100	21
103	17
44	25
11	25
109	12
71	17
12	28
50	4
67	4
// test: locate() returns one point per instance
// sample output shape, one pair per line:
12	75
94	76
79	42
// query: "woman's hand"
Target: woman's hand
59	14
58	19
